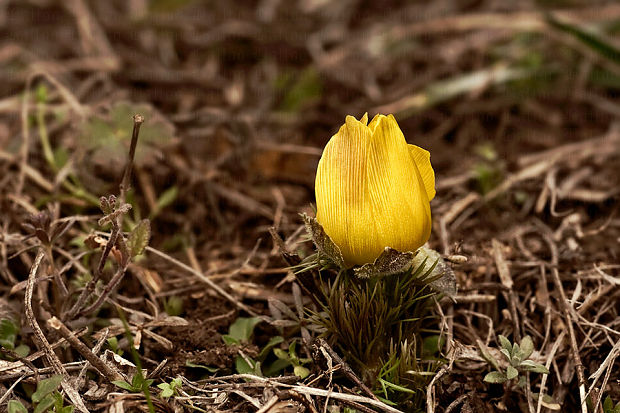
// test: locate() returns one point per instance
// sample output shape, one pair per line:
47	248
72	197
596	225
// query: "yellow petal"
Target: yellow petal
341	191
370	192
422	159
374	122
364	119
399	199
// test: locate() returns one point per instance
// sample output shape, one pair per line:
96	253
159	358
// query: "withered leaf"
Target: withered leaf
139	238
390	262
322	241
444	280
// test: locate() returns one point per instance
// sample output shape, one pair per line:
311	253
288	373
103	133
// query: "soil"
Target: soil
519	113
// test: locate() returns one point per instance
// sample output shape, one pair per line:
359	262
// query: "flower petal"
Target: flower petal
422	159
399	199
370	192
374	122
342	192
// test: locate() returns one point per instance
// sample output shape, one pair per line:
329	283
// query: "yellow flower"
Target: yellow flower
373	190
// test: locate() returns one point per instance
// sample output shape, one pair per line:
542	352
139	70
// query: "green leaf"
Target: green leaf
165	199
124	385
495	377
243	367
200	366
136	381
534	367
488	356
281	354
506	353
108	138
506	344
173	306
305	88
301	372
22	350
58	401
243	327
276	367
139	238
166	390
291	351
387	384
16	407
608	404
8	333
273	341
548	402
432	345
590	39
46	402
45	387
230	340
511	373
527	347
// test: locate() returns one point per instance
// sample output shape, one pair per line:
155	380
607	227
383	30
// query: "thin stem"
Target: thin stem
90	287
124	186
118	276
44	137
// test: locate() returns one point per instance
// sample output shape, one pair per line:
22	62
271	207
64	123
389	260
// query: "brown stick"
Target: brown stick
124	186
568	314
95	361
42	341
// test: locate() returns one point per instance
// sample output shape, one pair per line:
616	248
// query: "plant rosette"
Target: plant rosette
372	278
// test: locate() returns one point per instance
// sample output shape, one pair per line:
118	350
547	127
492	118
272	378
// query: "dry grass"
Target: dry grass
517	111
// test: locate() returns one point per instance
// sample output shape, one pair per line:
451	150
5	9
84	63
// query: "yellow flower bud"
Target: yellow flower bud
373	190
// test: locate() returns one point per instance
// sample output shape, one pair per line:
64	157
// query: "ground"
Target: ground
516	102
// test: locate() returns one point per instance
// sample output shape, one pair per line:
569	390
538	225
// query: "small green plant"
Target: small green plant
46	398
241	331
609	407
299	89
113	344
170	389
138	384
377	315
16	407
488	172
173	306
517	356
286	359
105	135
9	331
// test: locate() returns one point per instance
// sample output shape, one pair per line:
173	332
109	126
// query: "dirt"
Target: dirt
240	100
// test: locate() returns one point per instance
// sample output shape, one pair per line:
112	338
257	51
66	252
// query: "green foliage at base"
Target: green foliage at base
380	325
378	315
